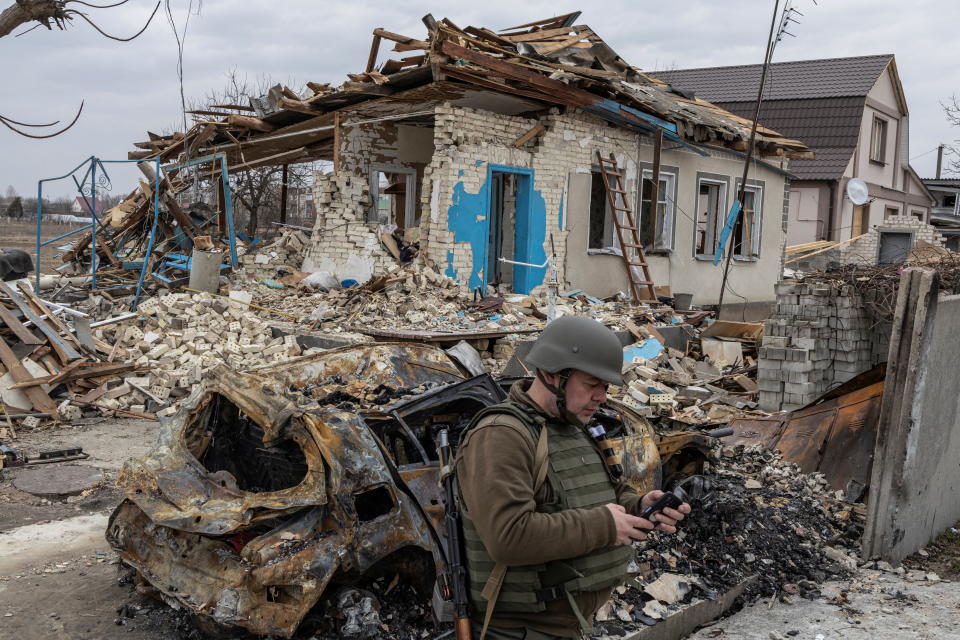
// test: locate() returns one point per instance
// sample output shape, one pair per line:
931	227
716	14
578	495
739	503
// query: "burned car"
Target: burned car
268	488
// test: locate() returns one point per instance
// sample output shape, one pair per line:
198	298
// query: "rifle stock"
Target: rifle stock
456	569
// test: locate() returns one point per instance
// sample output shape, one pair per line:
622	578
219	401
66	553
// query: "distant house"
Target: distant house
945	214
81	206
853	114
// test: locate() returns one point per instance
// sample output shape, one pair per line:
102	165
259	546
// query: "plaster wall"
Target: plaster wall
808	202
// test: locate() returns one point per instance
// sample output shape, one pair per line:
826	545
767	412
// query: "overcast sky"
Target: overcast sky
131	87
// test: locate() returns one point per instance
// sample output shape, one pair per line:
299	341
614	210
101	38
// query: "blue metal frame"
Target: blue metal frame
524	243
91	173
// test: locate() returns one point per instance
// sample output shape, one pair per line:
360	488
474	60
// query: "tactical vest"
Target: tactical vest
579	480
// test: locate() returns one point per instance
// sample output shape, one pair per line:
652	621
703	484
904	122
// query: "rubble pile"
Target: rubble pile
285	252
183	336
52	367
765	522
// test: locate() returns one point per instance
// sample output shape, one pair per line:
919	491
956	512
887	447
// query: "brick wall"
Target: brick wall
820	335
467	141
866	249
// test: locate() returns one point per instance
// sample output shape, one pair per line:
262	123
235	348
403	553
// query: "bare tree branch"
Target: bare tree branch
107	35
8	123
55	12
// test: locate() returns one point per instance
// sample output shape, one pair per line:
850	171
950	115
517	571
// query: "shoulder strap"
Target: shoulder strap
491	590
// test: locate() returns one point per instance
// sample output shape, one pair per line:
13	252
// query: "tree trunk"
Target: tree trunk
23	11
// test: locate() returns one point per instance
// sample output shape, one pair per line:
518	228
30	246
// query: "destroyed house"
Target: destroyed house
482	148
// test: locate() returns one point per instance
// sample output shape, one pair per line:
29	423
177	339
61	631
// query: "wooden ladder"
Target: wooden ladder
631	250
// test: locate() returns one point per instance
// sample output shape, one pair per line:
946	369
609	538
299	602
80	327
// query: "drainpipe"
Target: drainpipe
831	209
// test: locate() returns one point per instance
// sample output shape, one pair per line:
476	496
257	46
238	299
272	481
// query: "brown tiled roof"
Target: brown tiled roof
829	126
803	79
819	102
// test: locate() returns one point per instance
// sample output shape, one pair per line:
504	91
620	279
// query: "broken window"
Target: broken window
656	230
601	225
711	203
950	200
746	232
890	211
231	442
393	196
878	140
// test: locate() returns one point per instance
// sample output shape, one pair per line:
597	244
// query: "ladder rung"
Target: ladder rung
613	172
641	282
623	226
630	244
637	264
622	208
616	190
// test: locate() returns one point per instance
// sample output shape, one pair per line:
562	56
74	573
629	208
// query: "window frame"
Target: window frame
878	155
609	233
409	198
720	215
671	175
758	188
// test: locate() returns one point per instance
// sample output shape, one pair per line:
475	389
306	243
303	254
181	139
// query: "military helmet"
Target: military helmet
576	342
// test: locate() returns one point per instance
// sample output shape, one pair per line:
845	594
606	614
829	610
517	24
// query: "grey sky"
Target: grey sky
132	87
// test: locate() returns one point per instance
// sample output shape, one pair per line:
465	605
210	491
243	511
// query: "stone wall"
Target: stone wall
820	335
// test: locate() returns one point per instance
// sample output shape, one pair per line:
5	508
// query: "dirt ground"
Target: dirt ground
23	235
59	578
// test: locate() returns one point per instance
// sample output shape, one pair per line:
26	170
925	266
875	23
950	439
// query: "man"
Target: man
547	526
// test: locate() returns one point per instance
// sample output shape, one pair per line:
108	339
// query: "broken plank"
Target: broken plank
23	334
37	396
64	350
529	135
250	122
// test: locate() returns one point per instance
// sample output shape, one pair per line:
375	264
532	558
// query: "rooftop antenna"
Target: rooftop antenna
776	35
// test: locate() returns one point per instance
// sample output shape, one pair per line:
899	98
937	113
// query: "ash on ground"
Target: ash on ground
764	521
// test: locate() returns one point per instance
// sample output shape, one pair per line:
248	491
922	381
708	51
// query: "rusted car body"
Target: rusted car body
259	496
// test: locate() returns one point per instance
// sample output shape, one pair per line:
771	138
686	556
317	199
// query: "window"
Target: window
711	205
601	224
393	196
890	211
878	141
950	200
917	213
746	233
656	230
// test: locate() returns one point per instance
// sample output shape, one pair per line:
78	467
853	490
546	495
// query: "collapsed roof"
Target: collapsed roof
520	70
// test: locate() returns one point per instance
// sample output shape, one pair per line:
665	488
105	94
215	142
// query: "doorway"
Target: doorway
514	232
894	247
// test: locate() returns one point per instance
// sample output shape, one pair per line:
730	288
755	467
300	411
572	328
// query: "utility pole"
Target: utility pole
750	149
939	160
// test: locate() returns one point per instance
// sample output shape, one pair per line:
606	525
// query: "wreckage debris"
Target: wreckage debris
766	524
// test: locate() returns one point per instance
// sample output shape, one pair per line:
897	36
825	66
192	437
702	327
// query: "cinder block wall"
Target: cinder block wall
820	335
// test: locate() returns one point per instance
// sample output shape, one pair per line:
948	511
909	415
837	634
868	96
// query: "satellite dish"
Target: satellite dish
857	191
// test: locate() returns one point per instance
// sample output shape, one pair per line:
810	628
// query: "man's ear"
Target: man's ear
551	378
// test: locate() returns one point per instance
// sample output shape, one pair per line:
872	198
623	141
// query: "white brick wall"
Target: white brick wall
866	249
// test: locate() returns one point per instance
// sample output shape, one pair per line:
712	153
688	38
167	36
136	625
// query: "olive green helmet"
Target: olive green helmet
576	342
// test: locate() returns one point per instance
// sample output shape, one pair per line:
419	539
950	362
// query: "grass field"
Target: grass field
23	235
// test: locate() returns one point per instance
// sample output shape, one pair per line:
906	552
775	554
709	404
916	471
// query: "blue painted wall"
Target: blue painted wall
468	218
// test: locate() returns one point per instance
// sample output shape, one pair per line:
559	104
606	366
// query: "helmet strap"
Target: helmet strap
560	391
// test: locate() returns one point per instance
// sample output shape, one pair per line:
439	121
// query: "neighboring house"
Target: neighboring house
81	206
486	149
852	113
945	214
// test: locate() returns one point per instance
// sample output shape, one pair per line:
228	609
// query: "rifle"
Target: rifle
456	570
